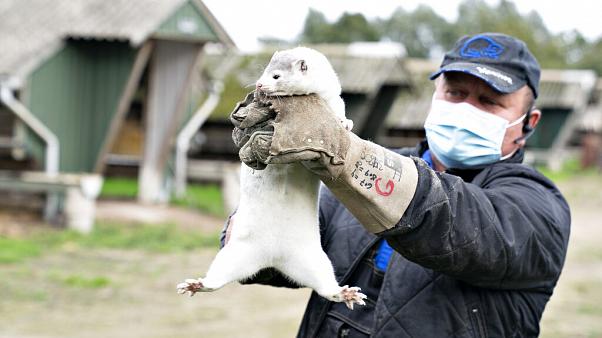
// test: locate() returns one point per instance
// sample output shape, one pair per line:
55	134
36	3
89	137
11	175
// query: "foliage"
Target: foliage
588	54
348	28
426	34
422	32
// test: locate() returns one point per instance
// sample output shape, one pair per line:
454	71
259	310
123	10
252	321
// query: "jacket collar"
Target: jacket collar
469	174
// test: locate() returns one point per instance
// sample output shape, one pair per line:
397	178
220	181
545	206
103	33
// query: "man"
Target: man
455	238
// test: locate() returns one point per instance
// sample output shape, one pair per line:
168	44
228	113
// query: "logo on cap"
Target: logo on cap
499	75
481	47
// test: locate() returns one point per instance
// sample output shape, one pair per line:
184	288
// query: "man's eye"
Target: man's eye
276	77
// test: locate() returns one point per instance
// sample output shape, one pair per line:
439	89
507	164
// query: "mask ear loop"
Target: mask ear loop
528	130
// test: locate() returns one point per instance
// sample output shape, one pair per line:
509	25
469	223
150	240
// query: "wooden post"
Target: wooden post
171	67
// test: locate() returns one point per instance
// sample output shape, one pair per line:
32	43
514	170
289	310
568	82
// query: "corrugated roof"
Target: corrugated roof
367	74
30	30
362	74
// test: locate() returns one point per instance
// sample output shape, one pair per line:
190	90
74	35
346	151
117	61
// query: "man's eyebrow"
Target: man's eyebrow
452	80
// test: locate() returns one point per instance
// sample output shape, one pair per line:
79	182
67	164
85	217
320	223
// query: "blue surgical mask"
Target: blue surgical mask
462	136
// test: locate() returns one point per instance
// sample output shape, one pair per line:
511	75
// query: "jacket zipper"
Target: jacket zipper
475	315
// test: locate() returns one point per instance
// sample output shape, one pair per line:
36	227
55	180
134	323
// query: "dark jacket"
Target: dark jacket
478	254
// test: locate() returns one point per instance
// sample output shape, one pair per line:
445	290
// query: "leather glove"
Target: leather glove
375	184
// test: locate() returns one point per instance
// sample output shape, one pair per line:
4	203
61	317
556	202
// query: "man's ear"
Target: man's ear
301	65
534	117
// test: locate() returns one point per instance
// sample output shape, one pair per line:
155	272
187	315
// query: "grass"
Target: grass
151	238
570	169
204	197
15	250
207	198
86	282
116	187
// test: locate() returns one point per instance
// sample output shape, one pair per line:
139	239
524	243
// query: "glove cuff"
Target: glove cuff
376	185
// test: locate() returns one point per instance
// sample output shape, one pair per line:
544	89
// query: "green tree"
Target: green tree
590	58
316	28
426	34
348	28
422	31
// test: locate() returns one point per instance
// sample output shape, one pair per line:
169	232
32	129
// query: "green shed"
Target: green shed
73	72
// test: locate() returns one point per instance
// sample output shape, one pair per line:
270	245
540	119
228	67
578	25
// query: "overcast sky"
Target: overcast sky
245	21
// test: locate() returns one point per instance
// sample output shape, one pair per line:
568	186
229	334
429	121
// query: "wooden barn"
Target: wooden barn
87	82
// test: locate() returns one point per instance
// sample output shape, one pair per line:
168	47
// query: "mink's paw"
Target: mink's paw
347	124
191	286
350	296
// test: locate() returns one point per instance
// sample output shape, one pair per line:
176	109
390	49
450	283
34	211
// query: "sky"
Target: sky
245	21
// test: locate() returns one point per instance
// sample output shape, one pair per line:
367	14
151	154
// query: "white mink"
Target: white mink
276	222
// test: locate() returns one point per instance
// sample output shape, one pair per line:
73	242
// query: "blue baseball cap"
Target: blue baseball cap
502	61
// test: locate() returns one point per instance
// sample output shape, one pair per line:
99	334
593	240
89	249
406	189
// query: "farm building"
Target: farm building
87	83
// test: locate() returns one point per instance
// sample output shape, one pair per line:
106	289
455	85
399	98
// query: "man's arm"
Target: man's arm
512	232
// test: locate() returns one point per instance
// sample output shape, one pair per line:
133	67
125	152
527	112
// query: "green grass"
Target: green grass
86	282
119	187
570	169
204	197
15	250
207	198
151	238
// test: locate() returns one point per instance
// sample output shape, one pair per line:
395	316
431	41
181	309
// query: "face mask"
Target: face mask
462	136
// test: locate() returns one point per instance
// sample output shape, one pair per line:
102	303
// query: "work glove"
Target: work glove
375	184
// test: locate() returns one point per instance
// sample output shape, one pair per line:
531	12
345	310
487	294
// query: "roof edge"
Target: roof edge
219	30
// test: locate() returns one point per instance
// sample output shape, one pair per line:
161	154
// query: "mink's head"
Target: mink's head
298	71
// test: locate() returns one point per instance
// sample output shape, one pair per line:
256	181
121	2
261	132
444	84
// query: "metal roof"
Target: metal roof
31	30
358	73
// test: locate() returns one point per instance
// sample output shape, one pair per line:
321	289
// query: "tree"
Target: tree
422	32
590	58
316	28
348	28
426	34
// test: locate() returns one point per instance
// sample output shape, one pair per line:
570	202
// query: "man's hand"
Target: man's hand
375	184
